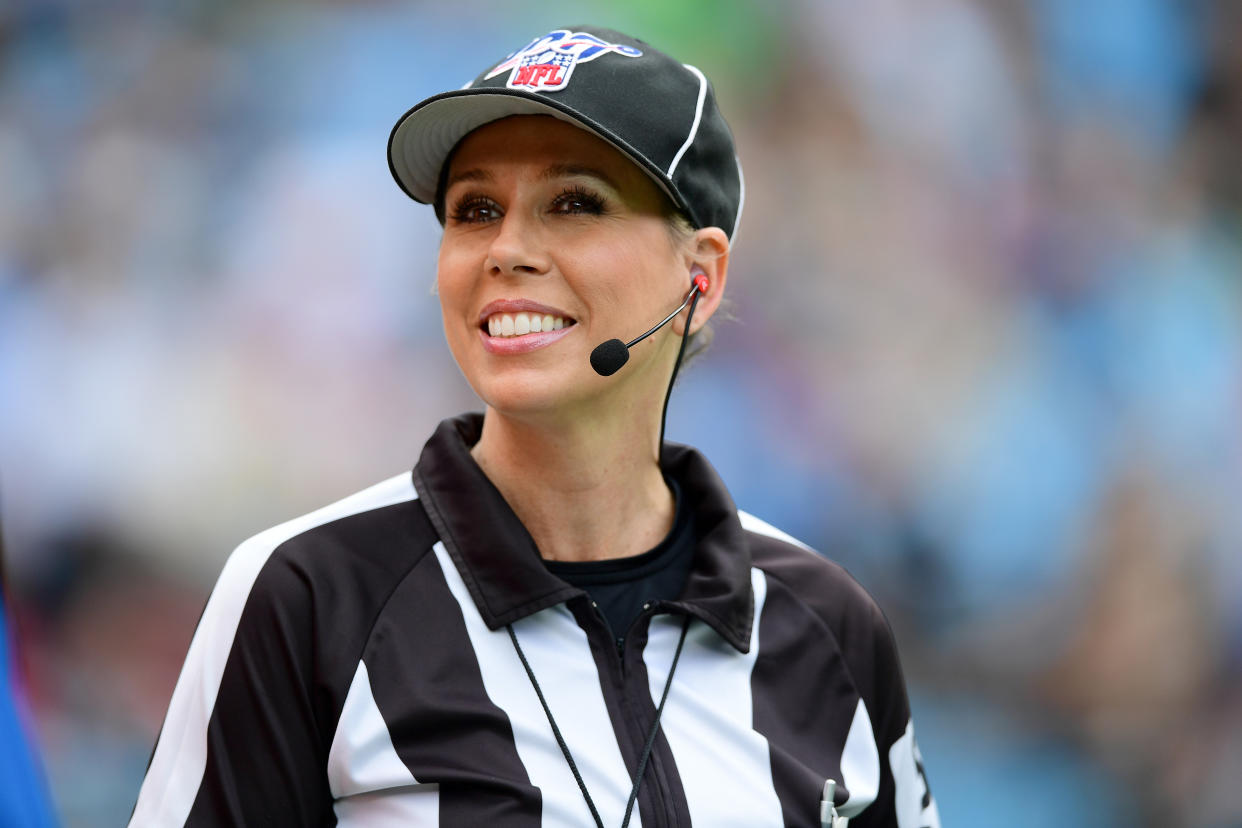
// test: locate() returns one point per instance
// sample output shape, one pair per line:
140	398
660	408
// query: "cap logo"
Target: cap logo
546	63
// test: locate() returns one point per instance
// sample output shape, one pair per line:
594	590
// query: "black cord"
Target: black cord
556	731
694	291
676	365
642	764
651	736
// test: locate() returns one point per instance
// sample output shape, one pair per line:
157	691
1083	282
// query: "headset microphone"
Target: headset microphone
609	357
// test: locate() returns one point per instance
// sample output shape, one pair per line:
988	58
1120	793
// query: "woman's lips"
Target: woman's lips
518	326
522	344
514	306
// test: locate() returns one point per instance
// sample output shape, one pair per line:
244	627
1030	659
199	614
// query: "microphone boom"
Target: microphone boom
609	357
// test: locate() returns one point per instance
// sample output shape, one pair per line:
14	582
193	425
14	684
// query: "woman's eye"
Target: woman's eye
475	210
578	202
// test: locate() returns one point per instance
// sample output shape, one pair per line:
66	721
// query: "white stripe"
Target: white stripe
698	116
753	524
362	757
724	764
418	807
860	764
741	201
561	659
910	785
860	758
180	757
370	783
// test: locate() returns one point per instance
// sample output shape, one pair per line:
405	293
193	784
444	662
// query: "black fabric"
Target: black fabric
501	565
287	676
465	742
718	589
797	688
378	588
624	682
648	106
793	710
662	800
620	587
496	555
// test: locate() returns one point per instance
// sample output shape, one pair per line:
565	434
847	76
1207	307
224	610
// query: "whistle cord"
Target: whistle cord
560	739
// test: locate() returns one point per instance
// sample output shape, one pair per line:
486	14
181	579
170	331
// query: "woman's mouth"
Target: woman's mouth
506	325
519	326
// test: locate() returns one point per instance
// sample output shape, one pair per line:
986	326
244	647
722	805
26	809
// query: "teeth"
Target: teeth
519	324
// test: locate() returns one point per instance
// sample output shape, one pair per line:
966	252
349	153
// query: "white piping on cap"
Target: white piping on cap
698	116
741	200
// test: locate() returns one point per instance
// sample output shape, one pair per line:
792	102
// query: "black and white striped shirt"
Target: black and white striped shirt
353	667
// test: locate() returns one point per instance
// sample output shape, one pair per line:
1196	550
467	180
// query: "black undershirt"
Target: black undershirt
620	586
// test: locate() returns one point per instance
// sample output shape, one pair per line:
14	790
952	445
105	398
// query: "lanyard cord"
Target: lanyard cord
560	740
681	350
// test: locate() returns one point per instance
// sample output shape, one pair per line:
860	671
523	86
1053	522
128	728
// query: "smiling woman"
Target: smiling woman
555	618
544	218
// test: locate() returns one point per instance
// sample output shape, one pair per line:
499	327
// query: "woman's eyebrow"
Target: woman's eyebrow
476	174
550	172
570	170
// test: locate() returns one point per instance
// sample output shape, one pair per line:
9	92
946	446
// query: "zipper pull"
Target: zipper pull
827	808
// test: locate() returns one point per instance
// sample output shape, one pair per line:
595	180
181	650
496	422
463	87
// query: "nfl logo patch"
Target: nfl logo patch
546	63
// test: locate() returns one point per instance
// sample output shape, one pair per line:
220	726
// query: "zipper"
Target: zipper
618	643
655	789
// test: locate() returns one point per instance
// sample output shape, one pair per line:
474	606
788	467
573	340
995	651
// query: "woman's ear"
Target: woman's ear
707	253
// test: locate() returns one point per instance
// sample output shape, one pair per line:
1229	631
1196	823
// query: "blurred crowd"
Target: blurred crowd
986	349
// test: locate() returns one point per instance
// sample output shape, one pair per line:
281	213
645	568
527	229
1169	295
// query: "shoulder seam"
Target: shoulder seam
365	639
381	605
849	670
759	526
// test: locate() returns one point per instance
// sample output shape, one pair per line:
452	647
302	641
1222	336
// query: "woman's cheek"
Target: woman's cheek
453	284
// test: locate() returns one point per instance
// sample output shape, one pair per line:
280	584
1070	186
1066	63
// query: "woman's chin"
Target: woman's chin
525	394
567	388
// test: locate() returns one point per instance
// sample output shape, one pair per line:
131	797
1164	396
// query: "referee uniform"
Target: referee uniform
360	666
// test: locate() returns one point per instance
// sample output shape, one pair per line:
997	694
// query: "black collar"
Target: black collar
501	565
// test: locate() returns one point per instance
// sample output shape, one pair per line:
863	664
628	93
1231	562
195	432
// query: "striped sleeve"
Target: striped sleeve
830	694
252	718
904	798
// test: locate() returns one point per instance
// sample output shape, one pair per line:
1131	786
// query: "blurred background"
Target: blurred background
987	349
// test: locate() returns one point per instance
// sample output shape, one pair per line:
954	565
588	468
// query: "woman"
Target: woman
555	619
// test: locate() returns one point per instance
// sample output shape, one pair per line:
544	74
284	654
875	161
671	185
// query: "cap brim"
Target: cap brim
423	138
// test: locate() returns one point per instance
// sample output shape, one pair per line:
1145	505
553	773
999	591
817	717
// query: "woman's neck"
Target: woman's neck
587	491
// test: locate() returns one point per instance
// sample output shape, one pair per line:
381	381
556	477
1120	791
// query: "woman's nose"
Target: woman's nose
516	249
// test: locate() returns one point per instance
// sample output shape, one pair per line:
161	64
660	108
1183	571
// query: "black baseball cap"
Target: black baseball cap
658	111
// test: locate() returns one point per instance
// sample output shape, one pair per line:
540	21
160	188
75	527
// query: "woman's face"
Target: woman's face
547	226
